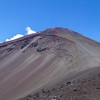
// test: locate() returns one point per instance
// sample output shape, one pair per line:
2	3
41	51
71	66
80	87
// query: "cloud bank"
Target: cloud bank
29	31
15	37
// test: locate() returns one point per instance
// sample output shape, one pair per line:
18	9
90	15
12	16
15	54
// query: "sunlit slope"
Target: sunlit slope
88	49
42	60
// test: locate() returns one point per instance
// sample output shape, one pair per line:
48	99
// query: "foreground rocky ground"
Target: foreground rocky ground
82	88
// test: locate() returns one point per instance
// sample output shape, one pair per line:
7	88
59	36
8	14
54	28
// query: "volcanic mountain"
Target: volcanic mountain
54	64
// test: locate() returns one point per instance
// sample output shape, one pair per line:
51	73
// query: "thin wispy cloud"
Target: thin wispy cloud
29	31
15	37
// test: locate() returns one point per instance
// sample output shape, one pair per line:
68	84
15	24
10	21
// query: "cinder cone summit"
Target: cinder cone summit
54	64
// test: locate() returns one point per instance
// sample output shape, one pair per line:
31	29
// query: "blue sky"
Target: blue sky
82	16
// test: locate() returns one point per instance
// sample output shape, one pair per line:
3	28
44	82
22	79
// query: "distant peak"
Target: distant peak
59	30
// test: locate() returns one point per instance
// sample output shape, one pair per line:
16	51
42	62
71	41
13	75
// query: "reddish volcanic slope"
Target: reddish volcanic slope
55	64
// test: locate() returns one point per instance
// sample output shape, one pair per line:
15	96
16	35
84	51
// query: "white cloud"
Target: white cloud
15	37
29	31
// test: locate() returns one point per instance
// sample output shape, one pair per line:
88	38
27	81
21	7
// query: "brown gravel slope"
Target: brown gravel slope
55	64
